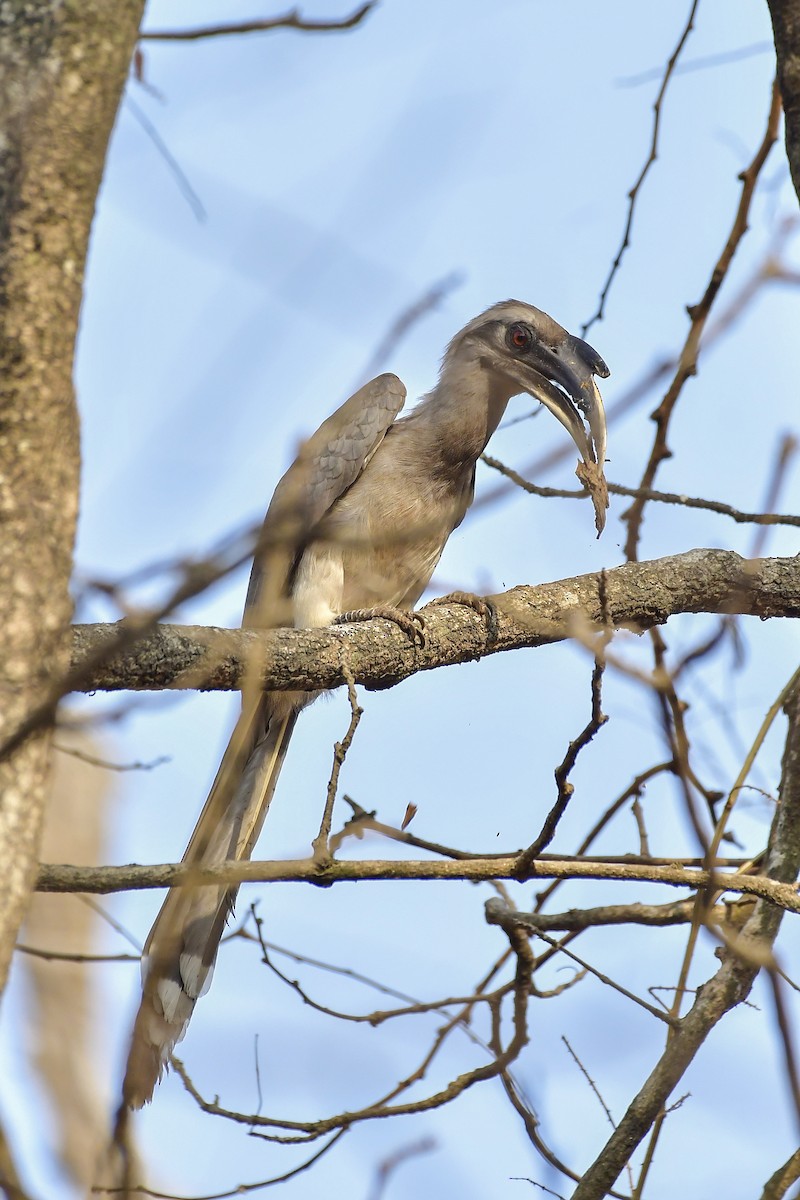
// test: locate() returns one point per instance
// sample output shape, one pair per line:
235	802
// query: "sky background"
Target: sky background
341	177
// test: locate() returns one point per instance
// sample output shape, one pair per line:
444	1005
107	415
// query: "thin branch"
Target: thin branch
590	1081
63	956
176	170
322	851
94	761
698	315
702	63
646	494
651	158
290	20
789	1049
401	326
305	1131
374	1018
239	1189
498	913
728	987
638	816
679	912
565	789
389	1165
787	449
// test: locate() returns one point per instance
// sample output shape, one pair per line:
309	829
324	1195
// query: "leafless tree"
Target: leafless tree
64	68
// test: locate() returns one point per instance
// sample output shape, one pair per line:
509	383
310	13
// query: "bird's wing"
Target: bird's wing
328	463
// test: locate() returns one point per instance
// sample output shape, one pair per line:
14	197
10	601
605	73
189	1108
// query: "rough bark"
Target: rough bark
786	29
732	983
63	65
637	596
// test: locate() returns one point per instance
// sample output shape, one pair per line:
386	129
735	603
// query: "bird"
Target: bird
355	527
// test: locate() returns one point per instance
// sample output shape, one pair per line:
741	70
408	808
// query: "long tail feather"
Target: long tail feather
179	955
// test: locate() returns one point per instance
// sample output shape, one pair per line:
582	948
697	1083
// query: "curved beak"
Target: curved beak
562	376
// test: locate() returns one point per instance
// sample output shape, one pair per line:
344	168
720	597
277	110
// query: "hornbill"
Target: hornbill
356	527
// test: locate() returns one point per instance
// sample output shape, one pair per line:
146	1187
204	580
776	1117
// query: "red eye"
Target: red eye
519	337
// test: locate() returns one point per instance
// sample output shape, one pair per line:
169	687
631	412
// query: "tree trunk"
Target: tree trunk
786	29
63	65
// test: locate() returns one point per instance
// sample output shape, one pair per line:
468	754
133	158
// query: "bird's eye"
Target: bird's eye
519	337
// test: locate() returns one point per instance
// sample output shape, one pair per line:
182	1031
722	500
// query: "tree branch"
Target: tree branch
698	316
639	596
290	20
55	877
741	962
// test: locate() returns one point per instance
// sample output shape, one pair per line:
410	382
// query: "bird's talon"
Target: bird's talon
486	609
411	623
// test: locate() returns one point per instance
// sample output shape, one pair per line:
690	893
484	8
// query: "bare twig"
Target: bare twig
702	63
320	846
176	170
728	987
400	327
597	720
290	20
63	956
678	912
590	1082
787	449
304	1131
634	789
638	816
789	1049
239	1189
649	495
651	158
698	314
389	1165
497	913
94	761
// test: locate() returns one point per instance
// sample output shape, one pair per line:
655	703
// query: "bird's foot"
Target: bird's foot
411	623
483	607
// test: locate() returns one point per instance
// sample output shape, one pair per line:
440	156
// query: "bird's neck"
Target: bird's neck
463	411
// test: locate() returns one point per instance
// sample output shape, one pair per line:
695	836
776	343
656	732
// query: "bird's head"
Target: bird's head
532	353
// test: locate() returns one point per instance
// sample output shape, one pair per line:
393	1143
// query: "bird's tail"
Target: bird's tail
179	955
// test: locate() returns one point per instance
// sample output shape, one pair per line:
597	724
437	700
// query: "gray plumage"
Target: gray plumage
359	520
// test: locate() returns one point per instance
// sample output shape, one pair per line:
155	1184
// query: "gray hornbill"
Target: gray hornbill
358	522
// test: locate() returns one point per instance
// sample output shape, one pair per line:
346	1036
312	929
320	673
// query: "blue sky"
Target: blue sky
341	177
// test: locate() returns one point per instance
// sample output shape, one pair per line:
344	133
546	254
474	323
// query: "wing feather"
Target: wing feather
328	463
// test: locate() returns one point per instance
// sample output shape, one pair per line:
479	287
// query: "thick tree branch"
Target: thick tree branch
54	877
741	961
639	596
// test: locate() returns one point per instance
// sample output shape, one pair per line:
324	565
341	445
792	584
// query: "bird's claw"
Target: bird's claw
411	623
485	609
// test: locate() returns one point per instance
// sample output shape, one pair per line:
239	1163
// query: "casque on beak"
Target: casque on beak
566	385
